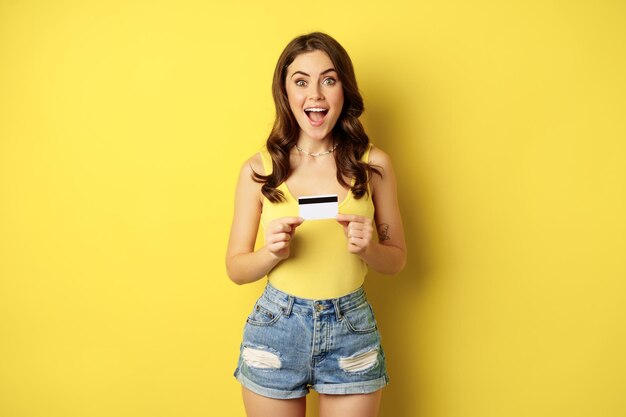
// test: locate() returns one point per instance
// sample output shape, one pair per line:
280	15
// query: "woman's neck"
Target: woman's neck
313	146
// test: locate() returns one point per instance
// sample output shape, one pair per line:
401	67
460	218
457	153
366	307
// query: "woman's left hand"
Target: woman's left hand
358	231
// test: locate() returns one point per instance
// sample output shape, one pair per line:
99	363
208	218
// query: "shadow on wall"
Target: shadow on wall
392	123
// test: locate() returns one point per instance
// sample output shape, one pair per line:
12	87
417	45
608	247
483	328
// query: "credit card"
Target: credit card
318	207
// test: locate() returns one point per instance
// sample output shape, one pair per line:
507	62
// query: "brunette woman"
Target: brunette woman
313	327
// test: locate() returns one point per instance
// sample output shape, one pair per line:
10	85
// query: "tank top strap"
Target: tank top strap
366	158
267	160
366	155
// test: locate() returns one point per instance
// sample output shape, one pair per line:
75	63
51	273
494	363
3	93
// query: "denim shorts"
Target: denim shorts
292	344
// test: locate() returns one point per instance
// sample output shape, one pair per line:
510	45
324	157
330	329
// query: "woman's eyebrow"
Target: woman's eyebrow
307	75
327	71
300	72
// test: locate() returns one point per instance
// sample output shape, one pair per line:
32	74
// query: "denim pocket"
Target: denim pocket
263	314
360	319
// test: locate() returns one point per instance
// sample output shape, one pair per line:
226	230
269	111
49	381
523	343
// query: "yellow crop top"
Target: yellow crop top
319	265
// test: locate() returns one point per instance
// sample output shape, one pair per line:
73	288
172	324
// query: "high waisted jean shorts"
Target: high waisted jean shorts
293	344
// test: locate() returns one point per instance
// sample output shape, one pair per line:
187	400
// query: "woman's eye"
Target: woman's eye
329	81
301	83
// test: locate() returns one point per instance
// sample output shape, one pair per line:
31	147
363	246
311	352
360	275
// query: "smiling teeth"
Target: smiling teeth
315	109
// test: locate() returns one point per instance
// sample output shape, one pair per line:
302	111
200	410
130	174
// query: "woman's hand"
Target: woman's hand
358	231
278	235
386	253
245	264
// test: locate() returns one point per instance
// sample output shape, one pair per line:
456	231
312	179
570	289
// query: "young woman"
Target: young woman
312	327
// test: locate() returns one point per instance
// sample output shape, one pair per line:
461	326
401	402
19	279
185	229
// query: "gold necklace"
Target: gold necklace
318	153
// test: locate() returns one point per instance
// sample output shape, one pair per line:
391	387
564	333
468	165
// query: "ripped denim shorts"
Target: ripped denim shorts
292	344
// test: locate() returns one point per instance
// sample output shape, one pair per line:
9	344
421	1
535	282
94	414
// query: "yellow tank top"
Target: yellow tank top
319	265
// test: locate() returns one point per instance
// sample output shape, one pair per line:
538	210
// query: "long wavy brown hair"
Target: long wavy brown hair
348	132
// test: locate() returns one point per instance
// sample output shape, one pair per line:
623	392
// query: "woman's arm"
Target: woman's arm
388	255
243	264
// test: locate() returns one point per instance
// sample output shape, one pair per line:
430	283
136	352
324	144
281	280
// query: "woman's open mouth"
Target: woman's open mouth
316	115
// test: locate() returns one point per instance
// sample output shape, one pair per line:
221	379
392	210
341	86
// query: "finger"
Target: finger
296	221
282	228
278	237
362	233
354	249
355	226
354	245
355	233
285	227
288	221
279	227
283	237
344	224
275	247
351	218
344	218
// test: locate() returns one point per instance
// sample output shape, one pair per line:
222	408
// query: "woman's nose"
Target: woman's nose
316	93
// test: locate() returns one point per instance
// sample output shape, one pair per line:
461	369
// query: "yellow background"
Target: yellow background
122	129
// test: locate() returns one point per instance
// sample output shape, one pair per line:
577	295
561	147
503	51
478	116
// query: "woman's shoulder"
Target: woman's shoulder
254	164
247	183
379	158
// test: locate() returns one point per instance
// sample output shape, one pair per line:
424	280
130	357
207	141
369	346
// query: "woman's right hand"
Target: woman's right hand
278	235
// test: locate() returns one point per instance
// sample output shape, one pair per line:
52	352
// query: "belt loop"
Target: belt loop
287	310
337	309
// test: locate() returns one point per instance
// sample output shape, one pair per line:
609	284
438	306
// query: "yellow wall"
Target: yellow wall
122	129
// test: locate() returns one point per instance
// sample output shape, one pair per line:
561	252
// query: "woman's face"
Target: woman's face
315	94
